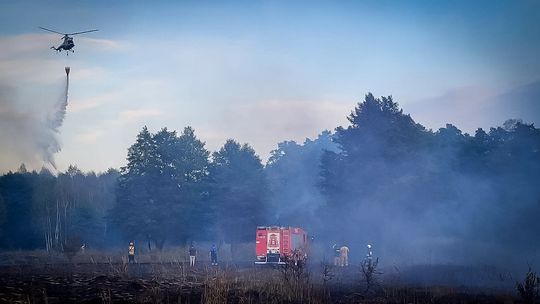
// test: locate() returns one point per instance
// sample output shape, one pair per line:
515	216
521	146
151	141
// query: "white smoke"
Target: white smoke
30	135
54	121
58	112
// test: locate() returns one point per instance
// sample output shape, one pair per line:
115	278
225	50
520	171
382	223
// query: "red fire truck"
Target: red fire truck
275	245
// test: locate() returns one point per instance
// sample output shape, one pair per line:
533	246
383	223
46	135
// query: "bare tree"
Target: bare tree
370	272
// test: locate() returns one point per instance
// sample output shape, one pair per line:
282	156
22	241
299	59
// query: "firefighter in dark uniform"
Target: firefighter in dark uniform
369	255
192	254
213	255
337	254
131	252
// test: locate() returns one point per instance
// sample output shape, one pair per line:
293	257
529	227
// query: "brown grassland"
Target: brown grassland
167	278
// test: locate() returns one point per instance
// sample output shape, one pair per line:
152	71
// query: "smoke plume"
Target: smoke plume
29	130
420	197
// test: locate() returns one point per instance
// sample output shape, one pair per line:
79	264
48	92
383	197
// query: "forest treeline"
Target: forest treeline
384	178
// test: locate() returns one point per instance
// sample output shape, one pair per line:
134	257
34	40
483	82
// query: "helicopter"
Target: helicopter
68	44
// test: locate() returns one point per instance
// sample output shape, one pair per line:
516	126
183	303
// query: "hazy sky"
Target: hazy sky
258	72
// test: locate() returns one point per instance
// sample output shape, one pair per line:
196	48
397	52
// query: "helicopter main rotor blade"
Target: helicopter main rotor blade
51	30
83	32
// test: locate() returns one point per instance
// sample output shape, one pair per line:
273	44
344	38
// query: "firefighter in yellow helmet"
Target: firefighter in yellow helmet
131	252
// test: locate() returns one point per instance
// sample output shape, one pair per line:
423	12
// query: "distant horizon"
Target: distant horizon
264	160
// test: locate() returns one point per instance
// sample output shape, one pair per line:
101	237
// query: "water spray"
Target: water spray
59	111
55	118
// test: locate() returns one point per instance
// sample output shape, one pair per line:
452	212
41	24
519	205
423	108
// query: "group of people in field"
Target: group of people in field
192	251
341	255
193	254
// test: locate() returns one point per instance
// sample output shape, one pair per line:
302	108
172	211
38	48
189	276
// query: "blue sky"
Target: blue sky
257	71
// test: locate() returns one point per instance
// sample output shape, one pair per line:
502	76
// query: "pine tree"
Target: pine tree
240	191
160	189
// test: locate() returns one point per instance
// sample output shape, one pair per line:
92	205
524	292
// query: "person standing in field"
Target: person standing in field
336	250
131	252
344	256
213	255
192	254
369	255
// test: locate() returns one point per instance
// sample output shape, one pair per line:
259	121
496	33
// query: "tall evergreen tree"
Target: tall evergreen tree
381	145
240	192
19	229
160	190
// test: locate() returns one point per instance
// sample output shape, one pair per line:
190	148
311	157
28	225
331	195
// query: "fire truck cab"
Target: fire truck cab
275	245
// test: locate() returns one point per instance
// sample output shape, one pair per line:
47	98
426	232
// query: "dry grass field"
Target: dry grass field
99	277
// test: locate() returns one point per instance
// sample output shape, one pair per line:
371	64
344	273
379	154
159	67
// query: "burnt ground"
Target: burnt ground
176	282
